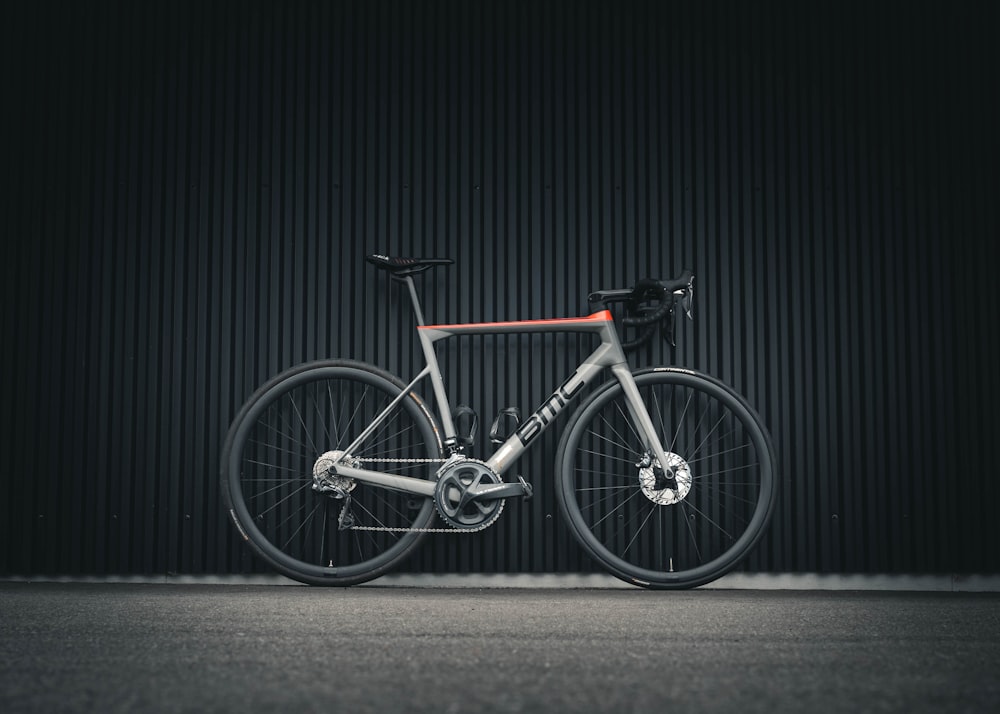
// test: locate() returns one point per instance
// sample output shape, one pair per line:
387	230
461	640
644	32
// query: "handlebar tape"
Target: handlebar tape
647	289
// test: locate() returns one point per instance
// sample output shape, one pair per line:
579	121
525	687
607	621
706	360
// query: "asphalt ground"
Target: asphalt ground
73	647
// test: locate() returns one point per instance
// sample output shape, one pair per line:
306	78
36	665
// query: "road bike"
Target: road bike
334	471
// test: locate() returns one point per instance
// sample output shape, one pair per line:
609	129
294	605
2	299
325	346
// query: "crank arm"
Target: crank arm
500	490
407	484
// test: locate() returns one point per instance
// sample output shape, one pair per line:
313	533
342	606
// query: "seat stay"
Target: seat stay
378	420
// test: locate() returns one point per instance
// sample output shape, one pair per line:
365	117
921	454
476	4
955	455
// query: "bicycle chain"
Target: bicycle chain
372	460
455	531
389	529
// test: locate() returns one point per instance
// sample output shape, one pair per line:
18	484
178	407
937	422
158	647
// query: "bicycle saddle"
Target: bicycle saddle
406	266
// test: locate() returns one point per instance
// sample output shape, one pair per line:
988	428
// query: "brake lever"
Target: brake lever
687	302
669	329
684	298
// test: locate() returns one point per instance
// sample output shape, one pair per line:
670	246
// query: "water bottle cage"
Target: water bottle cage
504	426
466	423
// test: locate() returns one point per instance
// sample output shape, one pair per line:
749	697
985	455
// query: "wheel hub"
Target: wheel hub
665	486
454	502
324	478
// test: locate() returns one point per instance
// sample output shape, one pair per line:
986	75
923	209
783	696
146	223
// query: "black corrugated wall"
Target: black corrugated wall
189	190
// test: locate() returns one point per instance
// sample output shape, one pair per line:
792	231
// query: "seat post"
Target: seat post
416	301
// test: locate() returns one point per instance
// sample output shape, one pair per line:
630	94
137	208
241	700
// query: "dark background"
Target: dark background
189	190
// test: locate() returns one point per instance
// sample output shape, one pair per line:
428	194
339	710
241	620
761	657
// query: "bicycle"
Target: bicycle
334	471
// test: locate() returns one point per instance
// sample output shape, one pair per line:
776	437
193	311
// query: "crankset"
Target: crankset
460	496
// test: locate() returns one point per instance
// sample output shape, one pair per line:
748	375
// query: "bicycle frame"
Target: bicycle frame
609	355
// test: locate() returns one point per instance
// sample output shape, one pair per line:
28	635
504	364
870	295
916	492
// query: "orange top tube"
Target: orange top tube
602	316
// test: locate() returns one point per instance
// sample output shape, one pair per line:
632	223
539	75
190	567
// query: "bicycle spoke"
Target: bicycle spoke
615	510
347	429
375	520
298	415
322	536
603	488
704	515
707	436
691	430
628	423
283	500
622	441
265	445
612	442
281	485
605	499
637	532
720	453
605	456
319	415
273	466
694	538
283	435
702	476
680	421
307	520
337	438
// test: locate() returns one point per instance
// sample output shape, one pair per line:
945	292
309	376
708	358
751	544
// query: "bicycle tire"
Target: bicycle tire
267	472
625	523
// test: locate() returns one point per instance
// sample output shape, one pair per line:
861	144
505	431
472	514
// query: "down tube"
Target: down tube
534	425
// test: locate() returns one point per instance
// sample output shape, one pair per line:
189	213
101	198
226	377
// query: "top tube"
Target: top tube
591	323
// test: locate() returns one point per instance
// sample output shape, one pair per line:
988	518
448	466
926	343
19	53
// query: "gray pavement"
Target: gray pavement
143	647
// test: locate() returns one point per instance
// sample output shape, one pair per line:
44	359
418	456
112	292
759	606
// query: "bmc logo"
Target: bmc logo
536	423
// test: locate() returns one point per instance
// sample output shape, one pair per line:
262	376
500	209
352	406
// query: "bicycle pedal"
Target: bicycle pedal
504	426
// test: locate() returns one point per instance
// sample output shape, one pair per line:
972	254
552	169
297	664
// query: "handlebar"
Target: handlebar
664	294
648	289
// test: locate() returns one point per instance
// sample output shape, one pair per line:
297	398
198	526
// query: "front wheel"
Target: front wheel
677	525
276	466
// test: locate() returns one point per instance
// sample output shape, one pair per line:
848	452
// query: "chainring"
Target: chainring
453	501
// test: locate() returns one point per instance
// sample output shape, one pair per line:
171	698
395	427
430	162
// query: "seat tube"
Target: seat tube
430	356
437	382
639	413
417	312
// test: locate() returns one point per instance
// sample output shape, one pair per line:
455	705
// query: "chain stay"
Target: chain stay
388	529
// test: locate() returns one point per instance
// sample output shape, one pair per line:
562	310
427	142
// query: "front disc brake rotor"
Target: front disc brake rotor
666	487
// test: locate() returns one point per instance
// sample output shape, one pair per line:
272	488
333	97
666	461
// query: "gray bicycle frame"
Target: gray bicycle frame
608	355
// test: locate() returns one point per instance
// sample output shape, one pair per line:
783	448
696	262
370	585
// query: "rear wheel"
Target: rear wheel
676	525
283	442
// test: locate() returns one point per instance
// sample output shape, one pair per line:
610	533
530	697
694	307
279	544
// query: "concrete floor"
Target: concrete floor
69	647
